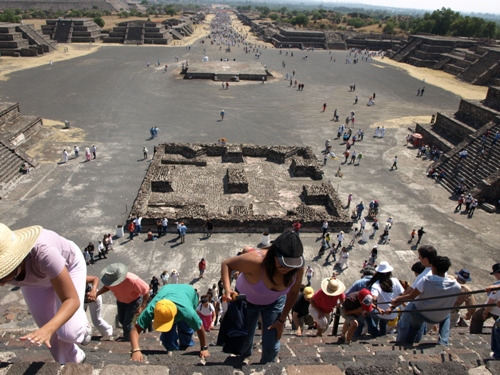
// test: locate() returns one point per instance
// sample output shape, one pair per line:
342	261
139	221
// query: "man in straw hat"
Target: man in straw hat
51	272
173	313
324	301
131	292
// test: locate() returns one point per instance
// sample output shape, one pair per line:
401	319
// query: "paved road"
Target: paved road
113	99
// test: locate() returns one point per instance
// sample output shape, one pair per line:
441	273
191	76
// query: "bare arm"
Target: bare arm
65	290
136	354
91	296
250	264
103	290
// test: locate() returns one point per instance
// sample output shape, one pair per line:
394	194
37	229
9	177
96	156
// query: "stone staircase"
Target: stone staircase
37	38
474	168
466	354
464	129
21	40
63	31
484	69
406	50
15	130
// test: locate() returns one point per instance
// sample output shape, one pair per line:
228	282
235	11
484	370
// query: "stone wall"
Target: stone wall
259	205
493	98
236	181
475	114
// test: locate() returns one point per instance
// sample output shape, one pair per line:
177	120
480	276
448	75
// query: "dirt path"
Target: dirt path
440	79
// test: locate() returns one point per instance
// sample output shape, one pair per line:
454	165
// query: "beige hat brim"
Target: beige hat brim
340	289
15	246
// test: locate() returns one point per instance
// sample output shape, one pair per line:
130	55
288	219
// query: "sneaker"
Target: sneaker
87	337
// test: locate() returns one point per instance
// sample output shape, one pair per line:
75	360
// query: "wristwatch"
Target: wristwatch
204	348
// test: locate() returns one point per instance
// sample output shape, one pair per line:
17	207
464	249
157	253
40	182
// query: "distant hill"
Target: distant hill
65	5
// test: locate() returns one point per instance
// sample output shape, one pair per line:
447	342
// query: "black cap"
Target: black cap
289	250
496	268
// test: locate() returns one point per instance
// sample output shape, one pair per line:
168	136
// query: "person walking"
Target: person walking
145	152
324	227
420	233
202	266
164	226
65	156
94	304
324	107
394	163
349	200
360	156
131	293
182	232
94	152
164	277
340	238
77	151
222	113
131	230
309	275
359	210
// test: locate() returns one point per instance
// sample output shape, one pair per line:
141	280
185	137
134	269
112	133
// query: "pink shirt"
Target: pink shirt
130	289
50	254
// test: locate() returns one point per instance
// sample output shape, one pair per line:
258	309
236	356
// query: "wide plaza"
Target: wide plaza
112	98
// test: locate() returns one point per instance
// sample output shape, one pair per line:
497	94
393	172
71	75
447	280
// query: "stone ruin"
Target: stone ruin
240	187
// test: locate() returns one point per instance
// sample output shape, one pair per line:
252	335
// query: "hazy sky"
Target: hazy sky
478	6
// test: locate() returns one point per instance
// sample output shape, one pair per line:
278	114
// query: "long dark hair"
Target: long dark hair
384	280
270	268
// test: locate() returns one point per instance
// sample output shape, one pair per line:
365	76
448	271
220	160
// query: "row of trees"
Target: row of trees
443	21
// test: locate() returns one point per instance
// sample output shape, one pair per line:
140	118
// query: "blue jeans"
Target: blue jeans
270	342
359	215
376	326
126	313
411	327
180	336
138	229
165	229
495	339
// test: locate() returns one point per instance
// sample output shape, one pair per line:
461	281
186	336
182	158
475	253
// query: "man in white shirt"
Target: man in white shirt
412	324
164	225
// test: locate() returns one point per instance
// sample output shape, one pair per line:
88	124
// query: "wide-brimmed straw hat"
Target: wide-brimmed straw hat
15	245
332	287
114	274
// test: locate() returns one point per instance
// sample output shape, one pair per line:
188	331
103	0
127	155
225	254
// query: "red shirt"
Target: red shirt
130	289
202	265
327	303
297	226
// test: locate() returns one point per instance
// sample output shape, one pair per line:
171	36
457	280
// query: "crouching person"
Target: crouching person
173	313
324	301
356	304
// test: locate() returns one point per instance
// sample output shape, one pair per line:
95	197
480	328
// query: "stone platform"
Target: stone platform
241	188
226	71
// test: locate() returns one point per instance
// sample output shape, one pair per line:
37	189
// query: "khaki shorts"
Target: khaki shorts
347	318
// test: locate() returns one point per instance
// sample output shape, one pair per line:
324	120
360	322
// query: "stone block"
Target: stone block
313	370
364	368
75	369
133	369
493	366
288	361
446	368
488	207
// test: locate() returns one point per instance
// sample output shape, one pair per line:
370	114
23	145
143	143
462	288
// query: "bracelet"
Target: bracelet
281	321
135	350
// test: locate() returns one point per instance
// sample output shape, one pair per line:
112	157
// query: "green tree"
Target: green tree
169	9
283	11
389	28
489	30
356	22
317	15
9	16
274	16
300	20
99	21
